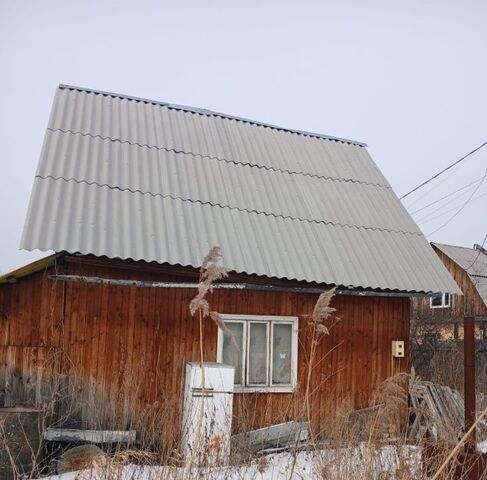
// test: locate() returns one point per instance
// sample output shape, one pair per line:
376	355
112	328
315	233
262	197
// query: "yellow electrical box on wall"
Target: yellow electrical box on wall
398	348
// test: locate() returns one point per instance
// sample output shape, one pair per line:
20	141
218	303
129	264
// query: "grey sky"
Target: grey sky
407	78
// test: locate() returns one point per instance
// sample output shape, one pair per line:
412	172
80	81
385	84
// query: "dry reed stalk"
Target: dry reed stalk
210	271
459	445
321	312
391	398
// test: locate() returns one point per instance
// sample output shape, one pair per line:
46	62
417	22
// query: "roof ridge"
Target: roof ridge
211	113
454	246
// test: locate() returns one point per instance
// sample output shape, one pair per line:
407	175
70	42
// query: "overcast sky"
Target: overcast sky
408	78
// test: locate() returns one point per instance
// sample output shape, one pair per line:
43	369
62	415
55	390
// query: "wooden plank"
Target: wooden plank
92	436
283	434
33	335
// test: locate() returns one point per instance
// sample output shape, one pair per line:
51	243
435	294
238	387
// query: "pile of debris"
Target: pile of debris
438	412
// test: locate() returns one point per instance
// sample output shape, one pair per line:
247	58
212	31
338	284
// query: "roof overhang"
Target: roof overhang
30	268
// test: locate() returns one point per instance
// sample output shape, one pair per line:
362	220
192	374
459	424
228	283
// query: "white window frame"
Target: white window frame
444	303
270	320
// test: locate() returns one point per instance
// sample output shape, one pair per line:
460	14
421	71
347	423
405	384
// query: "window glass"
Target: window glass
257	357
436	301
441	301
263	356
231	353
281	354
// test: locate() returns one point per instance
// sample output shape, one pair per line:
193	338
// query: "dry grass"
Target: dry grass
376	449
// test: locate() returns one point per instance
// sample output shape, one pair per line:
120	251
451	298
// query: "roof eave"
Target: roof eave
30	268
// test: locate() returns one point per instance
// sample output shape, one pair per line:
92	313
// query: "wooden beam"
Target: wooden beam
92	436
225	286
469	379
141	283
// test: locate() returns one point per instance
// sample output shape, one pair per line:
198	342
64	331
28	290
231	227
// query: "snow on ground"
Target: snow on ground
359	462
482	446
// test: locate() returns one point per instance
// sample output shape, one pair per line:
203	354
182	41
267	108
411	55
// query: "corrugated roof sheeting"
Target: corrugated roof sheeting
208	136
472	261
104	221
128	179
239	186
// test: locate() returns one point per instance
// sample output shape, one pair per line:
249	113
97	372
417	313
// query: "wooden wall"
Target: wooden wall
115	355
468	304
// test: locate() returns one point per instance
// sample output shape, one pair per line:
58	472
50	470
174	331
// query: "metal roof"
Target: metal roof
130	178
473	261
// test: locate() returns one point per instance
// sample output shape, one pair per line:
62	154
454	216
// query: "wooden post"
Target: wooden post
469	379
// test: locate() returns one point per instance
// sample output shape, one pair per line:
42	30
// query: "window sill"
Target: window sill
238	389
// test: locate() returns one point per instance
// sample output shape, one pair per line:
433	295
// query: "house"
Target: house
468	266
437	322
436	335
136	190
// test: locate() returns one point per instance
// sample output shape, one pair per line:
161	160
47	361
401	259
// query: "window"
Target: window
442	300
266	355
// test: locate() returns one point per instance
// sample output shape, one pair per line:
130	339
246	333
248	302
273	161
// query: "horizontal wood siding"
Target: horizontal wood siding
121	351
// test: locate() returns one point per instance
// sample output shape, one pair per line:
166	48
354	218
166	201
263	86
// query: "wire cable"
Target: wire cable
462	207
446	196
444	170
427	218
442	207
434	186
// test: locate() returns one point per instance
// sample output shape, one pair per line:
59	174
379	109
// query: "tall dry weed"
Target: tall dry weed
321	312
211	271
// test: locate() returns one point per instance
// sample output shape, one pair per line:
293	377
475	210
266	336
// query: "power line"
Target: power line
445	204
446	196
427	218
463	206
426	193
444	170
442	208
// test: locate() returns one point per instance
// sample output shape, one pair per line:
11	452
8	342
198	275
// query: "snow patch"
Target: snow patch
361	461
